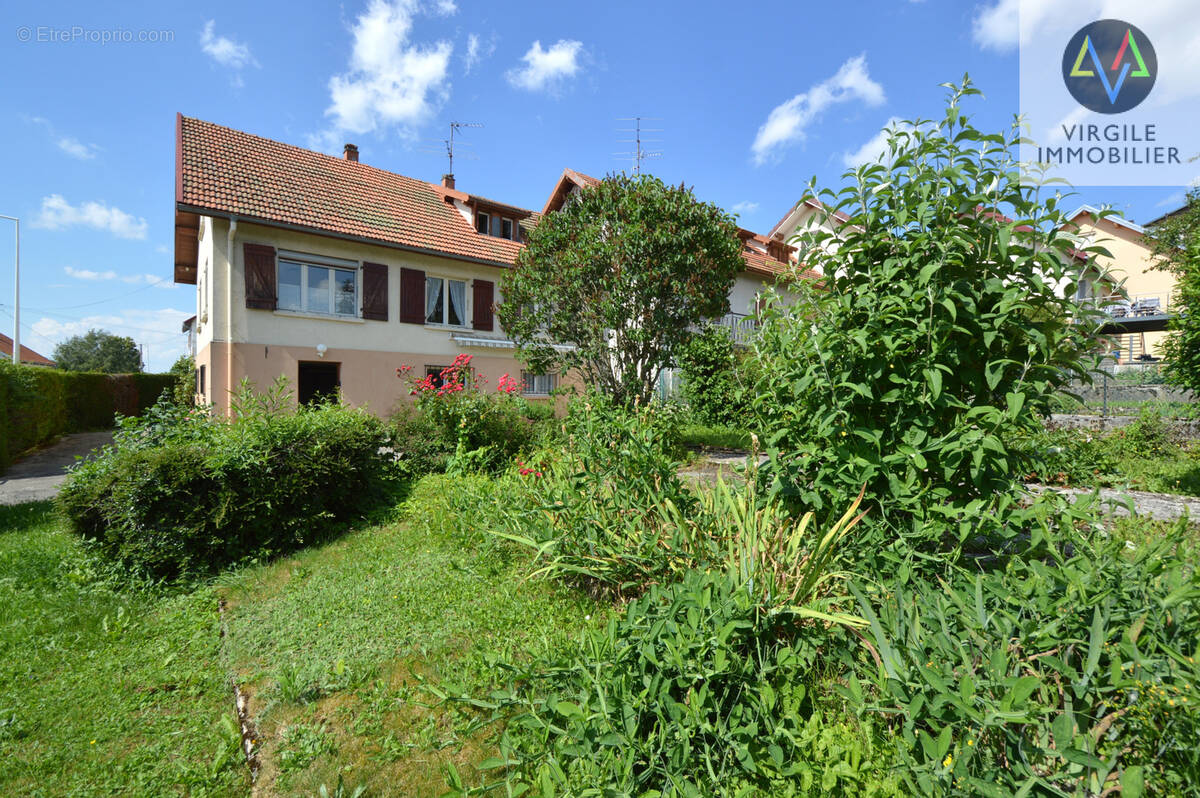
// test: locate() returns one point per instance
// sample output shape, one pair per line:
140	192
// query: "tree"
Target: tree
98	350
943	329
1175	240
615	279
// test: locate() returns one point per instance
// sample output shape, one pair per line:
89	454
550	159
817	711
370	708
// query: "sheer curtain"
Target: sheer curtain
458	302
433	300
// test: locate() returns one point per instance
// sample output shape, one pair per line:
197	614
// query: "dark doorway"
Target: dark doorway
317	382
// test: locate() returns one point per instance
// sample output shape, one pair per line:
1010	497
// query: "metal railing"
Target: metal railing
1132	306
741	327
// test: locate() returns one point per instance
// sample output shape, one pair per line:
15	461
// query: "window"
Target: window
482	222
317	382
506	229
312	288
538	384
445	301
201	385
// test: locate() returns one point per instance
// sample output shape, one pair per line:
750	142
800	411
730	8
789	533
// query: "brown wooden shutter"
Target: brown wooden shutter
484	294
412	296
375	292
259	263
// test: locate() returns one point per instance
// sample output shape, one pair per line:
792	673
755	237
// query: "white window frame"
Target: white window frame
467	284
512	226
529	383
304	260
487	226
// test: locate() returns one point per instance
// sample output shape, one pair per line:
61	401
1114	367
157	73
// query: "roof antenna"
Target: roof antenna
455	127
638	155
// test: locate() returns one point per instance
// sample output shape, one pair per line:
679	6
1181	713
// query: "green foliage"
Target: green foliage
1175	241
1064	456
711	382
620	273
184	371
1035	677
99	351
454	423
715	437
610	511
702	687
939	331
181	493
39	404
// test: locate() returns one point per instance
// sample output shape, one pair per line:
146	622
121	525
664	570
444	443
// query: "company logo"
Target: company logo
1109	66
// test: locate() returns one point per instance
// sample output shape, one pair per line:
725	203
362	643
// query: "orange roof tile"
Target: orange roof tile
226	171
27	354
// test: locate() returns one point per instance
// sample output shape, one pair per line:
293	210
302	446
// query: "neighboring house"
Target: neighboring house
333	273
28	356
1143	315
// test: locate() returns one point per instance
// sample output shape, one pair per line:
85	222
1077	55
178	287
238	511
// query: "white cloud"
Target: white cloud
223	50
477	50
787	122
58	214
745	207
547	68
68	144
391	81
88	274
875	147
446	7
1004	24
77	149
156	330
133	279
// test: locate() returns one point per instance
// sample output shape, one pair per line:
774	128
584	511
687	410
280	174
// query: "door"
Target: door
317	382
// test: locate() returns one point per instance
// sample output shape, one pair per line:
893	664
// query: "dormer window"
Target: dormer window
483	222
489	224
506	229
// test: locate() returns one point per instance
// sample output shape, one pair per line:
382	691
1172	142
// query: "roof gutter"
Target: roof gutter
233	223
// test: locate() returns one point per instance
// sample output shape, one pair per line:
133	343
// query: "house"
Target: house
1139	321
28	356
334	273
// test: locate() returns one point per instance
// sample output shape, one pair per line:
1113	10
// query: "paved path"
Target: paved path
1159	506
38	476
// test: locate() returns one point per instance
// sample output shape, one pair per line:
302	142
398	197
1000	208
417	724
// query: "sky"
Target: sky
746	103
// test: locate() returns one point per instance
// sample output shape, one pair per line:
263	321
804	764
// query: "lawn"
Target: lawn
105	690
108	689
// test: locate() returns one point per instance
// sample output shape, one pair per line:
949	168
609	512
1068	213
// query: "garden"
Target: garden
484	596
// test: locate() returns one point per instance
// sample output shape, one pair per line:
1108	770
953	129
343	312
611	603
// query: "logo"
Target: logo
1109	66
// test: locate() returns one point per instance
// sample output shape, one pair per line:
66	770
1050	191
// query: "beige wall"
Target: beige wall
1132	265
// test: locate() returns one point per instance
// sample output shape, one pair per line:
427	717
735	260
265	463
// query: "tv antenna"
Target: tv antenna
639	154
454	128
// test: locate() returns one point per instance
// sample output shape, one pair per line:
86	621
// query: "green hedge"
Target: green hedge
38	404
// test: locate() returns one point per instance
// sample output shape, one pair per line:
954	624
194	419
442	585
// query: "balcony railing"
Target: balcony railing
1134	306
741	327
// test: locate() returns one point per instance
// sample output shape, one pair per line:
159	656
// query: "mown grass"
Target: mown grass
714	437
105	689
338	645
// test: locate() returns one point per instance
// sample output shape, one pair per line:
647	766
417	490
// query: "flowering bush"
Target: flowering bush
455	423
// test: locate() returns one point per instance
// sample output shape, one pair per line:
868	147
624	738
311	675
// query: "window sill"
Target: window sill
297	314
450	327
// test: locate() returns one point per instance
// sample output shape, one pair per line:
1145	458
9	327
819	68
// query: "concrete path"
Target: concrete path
1159	506
38	476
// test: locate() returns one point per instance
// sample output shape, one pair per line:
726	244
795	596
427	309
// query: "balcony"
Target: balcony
741	327
1135	313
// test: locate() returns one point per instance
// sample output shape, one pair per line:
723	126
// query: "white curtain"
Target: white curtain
433	299
458	303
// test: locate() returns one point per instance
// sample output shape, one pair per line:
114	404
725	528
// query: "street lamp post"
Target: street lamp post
16	353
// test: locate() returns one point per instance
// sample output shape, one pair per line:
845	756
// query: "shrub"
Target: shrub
1064	457
711	384
938	332
455	423
181	494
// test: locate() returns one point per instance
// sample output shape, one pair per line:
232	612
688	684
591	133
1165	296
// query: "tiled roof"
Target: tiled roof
27	354
227	171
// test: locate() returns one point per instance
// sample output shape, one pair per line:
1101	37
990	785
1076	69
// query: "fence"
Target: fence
1121	388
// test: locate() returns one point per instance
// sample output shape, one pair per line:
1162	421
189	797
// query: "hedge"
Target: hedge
37	404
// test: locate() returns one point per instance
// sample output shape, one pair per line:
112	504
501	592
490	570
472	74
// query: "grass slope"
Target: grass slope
334	645
104	690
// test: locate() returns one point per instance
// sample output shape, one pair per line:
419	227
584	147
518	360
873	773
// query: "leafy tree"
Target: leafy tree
942	328
711	385
184	370
619	274
1176	241
100	351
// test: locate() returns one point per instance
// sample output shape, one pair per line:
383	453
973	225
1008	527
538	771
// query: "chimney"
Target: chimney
448	181
352	153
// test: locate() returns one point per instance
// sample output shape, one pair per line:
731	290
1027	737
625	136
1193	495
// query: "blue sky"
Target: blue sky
752	101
